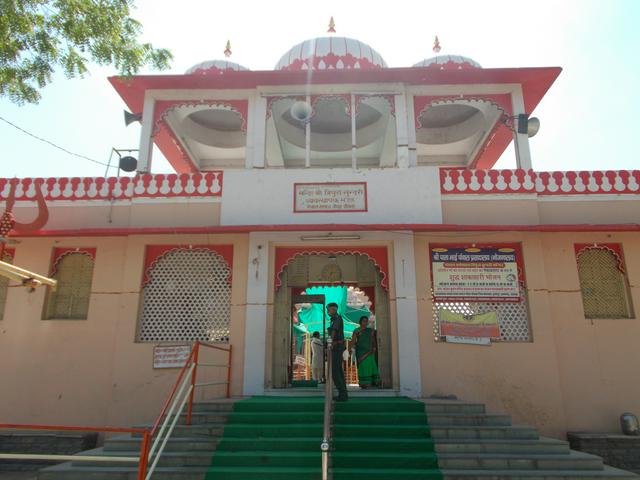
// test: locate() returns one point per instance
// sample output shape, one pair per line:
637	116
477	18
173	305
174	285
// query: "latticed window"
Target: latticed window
70	300
186	297
4	285
603	283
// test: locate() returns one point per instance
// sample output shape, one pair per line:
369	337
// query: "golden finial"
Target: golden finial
332	26
436	45
227	50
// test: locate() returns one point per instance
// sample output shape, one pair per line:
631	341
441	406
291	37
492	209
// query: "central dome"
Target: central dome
331	53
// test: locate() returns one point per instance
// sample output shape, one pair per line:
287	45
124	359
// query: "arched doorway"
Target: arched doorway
363	279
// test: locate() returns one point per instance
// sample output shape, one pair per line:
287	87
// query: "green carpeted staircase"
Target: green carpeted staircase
270	438
382	438
279	438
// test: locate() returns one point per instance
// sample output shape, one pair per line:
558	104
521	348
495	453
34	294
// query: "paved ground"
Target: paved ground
18	475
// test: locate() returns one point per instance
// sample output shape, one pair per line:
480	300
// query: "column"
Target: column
520	140
259	114
146	135
255	342
402	133
407	315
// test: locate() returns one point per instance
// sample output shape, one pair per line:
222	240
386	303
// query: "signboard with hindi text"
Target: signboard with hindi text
170	356
476	273
330	197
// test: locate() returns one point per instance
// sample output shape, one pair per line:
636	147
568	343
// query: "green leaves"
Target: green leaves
38	36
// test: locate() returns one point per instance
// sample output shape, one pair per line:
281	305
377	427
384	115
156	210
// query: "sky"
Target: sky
589	117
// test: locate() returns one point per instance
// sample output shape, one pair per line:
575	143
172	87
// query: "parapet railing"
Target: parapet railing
154	439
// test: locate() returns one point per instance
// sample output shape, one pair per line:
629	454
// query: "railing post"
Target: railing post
193	381
229	374
144	456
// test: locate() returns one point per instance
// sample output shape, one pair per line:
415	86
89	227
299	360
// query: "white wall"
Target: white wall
259	197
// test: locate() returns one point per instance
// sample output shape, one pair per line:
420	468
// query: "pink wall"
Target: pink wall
91	371
577	374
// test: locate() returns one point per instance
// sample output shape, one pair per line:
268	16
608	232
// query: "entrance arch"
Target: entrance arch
298	269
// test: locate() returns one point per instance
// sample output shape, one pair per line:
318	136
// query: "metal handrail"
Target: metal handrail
181	395
328	404
180	398
141	460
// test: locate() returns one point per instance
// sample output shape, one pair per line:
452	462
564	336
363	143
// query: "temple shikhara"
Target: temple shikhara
341	179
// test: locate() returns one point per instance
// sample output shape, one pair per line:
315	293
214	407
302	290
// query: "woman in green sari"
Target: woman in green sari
365	346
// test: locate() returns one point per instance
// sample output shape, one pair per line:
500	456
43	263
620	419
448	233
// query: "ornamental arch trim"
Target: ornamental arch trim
377	255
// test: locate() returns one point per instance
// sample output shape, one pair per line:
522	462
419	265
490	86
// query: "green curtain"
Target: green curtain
311	317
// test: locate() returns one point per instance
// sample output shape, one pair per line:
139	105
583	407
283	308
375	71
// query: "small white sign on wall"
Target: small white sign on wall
174	356
330	197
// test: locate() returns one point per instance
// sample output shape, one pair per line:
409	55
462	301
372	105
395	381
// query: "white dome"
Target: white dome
214	66
328	53
449	62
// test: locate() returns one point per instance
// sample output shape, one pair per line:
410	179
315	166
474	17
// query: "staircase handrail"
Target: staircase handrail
141	459
328	404
181	395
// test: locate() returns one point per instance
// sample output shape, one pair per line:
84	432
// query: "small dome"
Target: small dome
449	62
214	67
328	53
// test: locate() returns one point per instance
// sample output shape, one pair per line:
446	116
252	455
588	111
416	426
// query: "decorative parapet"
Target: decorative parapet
474	182
207	184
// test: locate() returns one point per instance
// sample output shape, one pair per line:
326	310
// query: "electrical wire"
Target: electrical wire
54	145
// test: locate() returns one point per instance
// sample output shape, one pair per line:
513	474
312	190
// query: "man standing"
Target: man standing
336	332
317	356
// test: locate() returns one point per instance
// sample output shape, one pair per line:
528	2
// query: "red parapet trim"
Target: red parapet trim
123	232
455	181
205	184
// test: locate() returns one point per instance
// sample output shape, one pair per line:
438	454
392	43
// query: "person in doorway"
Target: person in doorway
317	356
364	347
336	332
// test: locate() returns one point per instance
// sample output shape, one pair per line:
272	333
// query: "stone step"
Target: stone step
483	432
606	472
538	446
224	405
198	418
520	461
174	444
168	458
66	471
213	430
441	406
469	419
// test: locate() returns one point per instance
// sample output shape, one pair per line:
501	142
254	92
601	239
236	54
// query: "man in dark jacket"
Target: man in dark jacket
336	332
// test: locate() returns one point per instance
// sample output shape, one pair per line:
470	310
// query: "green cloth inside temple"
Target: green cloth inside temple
311	318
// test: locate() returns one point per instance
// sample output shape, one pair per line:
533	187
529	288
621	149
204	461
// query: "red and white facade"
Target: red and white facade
379	164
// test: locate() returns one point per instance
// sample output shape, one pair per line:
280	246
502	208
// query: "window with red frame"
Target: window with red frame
603	281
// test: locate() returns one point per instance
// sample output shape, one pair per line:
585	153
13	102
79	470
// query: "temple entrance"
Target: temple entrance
350	279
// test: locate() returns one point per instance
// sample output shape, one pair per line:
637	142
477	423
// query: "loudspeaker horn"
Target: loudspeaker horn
129	117
301	111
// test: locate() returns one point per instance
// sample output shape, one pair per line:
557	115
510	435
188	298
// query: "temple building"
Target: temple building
338	175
